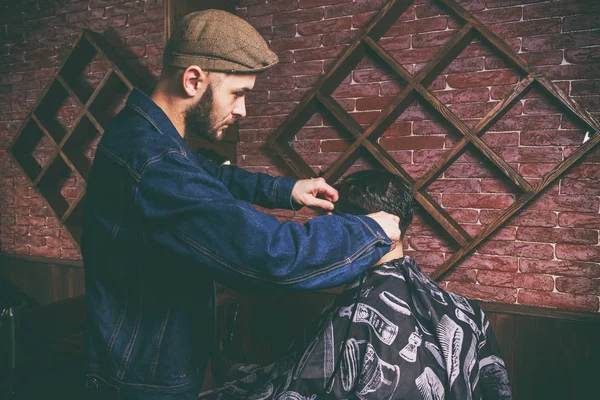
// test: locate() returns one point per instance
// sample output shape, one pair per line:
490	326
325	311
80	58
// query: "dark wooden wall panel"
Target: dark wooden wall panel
46	280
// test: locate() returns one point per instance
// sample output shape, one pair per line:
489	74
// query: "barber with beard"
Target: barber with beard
162	224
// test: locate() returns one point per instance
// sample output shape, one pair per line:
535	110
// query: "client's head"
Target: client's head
366	192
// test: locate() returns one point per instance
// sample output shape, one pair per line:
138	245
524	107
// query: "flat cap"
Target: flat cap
219	41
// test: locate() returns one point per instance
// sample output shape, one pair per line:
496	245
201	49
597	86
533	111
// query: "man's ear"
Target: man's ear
194	80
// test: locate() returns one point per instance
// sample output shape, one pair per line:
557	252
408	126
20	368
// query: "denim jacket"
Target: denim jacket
162	224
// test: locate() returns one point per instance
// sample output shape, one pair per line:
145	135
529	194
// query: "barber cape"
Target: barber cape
392	334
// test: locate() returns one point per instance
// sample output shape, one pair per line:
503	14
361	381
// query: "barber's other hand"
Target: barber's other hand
389	223
305	193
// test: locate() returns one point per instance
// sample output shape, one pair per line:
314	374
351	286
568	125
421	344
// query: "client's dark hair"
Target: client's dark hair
366	192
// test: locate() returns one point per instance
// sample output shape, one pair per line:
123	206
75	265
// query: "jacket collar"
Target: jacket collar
147	108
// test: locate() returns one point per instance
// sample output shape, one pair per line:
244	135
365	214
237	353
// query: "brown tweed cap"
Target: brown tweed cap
219	41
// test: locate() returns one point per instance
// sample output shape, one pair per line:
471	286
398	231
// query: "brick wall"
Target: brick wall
35	38
547	255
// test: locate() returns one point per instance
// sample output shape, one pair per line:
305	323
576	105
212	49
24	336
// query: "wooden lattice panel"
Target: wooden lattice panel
366	44
80	99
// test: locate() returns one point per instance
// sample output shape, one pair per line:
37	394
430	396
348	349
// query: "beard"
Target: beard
199	118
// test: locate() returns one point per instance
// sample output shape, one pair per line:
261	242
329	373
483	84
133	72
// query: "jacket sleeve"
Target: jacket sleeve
256	188
192	215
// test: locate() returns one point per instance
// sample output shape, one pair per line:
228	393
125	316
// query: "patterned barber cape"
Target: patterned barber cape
392	334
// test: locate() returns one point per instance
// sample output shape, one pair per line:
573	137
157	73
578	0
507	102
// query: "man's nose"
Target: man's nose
240	107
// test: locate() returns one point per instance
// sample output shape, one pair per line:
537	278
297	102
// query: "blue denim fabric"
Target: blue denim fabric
161	224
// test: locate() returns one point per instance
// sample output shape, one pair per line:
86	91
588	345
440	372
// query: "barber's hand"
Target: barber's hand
305	193
389	223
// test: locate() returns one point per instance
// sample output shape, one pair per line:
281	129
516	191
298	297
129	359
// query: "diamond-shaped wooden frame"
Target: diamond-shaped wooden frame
89	123
319	97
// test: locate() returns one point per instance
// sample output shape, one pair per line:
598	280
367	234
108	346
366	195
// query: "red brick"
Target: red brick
373	103
319	3
41	231
303	68
578	286
580	23
567	72
530	154
396	43
333	25
516	280
271	83
526	28
70	254
566	203
427	156
412	142
321	53
319	133
562	268
502	139
425	243
552	138
540	106
578	252
491	16
481	292
15	248
499	201
15	230
462	215
519	249
418	26
576	220
583	88
564	7
335	38
524	218
558	235
273	7
281	31
506	233
580	187
402	128
298	16
334	146
31	240
469	95
358	6
361	20
559	300
584	171
31	221
482	79
264	21
432	9
60	243
461	170
45	252
356	90
432	39
460	275
454	186
427	258
495	263
51	222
